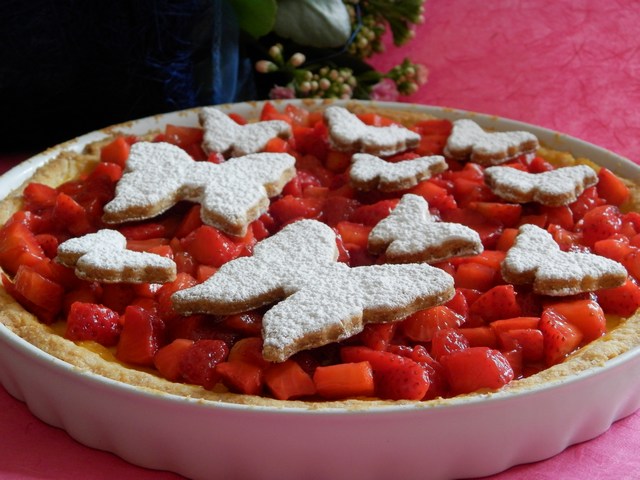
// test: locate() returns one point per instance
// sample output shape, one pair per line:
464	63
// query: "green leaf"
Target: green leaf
316	23
256	17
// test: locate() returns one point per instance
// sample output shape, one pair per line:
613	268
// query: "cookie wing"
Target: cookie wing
554	188
339	303
280	265
151	183
411	234
369	172
536	259
468	141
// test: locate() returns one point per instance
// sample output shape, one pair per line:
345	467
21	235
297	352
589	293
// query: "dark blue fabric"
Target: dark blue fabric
70	66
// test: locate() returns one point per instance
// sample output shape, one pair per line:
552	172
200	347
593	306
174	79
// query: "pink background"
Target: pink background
566	65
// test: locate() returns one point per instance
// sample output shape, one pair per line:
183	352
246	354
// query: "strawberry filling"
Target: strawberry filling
488	334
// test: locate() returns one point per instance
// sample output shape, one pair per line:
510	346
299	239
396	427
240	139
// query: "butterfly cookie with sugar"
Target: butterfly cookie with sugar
536	259
469	142
103	257
223	135
369	172
553	188
317	299
348	133
411	234
232	194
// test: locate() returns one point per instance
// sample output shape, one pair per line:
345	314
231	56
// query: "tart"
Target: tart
495	332
108	404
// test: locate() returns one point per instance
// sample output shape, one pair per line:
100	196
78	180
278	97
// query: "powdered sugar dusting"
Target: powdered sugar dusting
347	132
535	258
320	300
103	256
410	233
370	172
468	141
224	135
553	188
232	194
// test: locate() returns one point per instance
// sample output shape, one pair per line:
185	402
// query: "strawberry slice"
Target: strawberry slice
199	362
140	337
497	303
585	314
372	214
423	324
288	380
88	321
560	337
476	368
396	377
241	377
168	359
623	300
611	188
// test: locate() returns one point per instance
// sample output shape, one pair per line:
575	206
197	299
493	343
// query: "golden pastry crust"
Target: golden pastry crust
98	360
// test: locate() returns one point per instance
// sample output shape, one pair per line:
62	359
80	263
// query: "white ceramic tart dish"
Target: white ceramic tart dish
161	425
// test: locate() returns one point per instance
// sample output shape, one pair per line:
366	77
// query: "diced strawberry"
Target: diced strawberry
507	214
241	377
288	380
529	340
71	215
560	337
475	276
623	300
588	200
289	208
436	196
337	209
18	246
248	350
499	302
372	214
312	141
190	222
377	336
143	231
488	230
562	216
447	341
539	165
616	248
276	145
88	321
248	323
586	315
168	359
38	197
85	293
480	336
165	307
514	323
459	304
336	161
117	151
140	338
344	380
423	324
396	377
611	188
110	171
506	239
210	246
199	361
36	293
601	223
270	112
117	296
476	368
354	233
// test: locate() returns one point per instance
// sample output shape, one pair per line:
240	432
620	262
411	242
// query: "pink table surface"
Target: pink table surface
570	66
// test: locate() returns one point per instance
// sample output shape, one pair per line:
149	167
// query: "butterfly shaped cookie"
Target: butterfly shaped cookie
369	172
223	135
232	194
553	188
411	234
535	258
103	256
468	141
348	133
319	299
